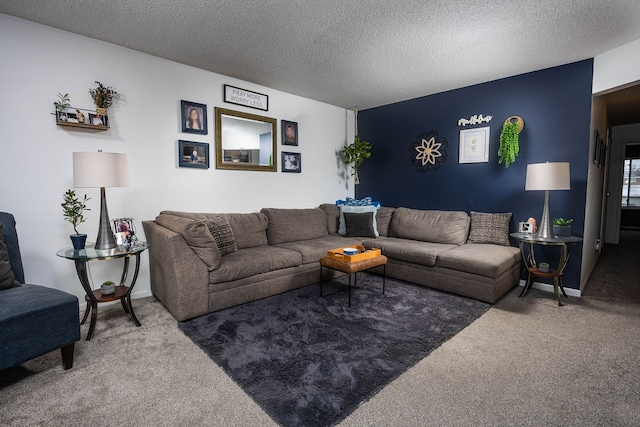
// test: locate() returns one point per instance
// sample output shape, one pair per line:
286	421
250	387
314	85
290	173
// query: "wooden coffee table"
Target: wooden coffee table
352	268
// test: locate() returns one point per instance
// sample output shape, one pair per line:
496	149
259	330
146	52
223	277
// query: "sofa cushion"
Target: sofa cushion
417	252
249	229
481	259
359	224
196	234
383	220
251	261
333	217
448	227
291	225
490	228
7	278
342	229
314	249
223	234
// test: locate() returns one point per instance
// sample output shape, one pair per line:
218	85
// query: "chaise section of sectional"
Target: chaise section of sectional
430	248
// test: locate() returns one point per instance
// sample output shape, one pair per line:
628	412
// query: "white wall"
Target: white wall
617	68
35	154
593	205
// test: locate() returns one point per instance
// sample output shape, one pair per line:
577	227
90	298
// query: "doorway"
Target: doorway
621	207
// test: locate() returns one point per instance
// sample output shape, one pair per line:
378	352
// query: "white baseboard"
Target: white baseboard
549	288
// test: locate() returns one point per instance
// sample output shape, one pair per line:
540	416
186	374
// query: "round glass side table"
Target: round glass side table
533	268
93	297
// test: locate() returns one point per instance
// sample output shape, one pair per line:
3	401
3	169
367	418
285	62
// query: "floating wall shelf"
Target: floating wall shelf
71	117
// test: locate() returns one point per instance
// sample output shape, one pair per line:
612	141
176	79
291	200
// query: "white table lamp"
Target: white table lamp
546	177
100	170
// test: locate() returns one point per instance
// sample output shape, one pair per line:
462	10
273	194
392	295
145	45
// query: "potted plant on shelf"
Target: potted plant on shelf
108	288
354	155
562	227
103	96
73	211
61	104
544	267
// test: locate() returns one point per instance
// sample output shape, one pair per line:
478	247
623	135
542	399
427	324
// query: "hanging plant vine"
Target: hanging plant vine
509	147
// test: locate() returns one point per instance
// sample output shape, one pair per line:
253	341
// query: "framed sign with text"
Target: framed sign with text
247	98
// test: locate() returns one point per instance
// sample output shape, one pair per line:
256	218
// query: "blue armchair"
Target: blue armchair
33	319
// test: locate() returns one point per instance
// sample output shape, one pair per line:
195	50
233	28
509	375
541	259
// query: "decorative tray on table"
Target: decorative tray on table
362	253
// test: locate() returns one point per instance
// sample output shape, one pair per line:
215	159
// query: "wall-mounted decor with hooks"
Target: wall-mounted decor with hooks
509	146
515	119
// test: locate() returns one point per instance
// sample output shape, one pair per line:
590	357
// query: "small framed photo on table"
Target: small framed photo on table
291	162
525	227
125	232
194	117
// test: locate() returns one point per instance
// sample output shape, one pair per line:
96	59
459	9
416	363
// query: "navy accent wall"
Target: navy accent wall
556	106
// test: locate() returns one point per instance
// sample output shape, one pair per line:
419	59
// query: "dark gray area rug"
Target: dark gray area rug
311	361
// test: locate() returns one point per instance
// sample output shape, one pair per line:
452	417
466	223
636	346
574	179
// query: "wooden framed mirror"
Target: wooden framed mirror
245	141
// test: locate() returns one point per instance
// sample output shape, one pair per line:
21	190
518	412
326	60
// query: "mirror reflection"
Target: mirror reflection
245	141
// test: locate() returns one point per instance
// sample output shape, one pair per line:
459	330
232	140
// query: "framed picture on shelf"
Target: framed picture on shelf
72	118
193	154
291	162
289	132
474	145
194	117
62	116
97	120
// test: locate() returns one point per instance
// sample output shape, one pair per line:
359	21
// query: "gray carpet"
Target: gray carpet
617	273
309	360
525	362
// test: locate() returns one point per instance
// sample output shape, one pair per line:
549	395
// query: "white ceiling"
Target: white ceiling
361	53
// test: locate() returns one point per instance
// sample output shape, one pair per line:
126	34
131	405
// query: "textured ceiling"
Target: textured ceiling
352	53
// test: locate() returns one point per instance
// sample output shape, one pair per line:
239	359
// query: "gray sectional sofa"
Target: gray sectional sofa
204	262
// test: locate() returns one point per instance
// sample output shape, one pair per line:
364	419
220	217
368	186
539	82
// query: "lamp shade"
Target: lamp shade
548	176
98	169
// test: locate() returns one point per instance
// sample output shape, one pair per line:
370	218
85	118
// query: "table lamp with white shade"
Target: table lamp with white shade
547	177
101	170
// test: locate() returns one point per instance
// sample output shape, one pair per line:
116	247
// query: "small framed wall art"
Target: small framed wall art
289	132
194	117
193	154
291	162
474	145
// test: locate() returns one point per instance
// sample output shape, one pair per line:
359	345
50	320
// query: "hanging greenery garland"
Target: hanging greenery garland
509	147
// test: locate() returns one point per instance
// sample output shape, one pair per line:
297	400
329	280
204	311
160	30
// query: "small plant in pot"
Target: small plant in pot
62	104
103	96
562	227
544	267
73	210
108	287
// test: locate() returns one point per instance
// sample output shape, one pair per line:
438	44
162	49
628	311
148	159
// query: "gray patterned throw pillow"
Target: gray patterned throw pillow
490	228
223	234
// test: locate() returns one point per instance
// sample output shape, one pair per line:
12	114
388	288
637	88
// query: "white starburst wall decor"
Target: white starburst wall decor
428	151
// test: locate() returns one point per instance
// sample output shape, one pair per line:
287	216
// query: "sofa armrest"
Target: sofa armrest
179	278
